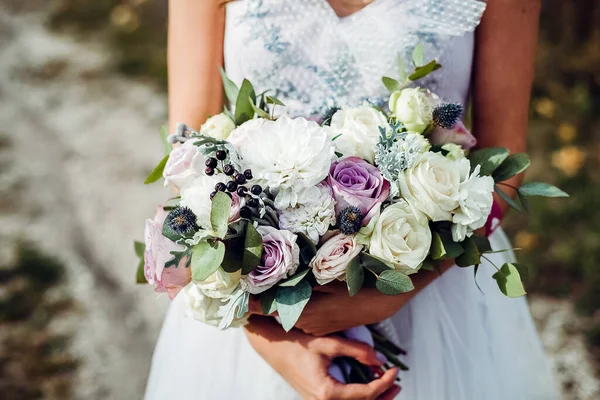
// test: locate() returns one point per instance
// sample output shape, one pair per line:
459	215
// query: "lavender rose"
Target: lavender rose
357	183
158	252
281	257
333	257
185	164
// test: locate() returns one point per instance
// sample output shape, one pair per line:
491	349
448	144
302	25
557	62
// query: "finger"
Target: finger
334	347
368	391
390	393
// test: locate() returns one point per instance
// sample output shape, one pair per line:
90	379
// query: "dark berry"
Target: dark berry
252	202
209	171
248	174
220	187
350	220
242	190
231	186
221	154
213	194
256	190
211	162
229	194
240	179
245	212
229	170
181	221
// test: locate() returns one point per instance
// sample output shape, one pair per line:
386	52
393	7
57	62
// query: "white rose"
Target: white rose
401	236
431	185
359	130
333	257
413	108
185	164
218	126
221	284
475	199
196	196
204	308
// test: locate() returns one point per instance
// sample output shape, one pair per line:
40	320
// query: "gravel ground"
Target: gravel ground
72	165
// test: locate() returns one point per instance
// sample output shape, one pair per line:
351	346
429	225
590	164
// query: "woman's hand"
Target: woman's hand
303	361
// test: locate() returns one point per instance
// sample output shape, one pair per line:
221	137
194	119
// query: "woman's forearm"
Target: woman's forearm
504	65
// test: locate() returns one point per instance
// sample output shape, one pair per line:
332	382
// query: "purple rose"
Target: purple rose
280	259
357	183
158	252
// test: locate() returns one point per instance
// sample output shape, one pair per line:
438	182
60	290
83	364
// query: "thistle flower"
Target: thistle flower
350	220
447	115
181	221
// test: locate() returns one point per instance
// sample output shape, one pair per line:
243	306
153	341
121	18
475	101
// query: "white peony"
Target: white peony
333	258
313	214
412	106
204	308
218	126
196	196
359	131
431	185
475	199
401	236
289	154
221	284
185	164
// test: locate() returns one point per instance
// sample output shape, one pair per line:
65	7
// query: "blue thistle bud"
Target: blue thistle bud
350	220
181	221
447	115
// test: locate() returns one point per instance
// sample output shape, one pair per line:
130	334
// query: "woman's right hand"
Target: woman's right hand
303	361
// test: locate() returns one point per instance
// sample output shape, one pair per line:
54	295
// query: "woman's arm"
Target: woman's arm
195	52
503	74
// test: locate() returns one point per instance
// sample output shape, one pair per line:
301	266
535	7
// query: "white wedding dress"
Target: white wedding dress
462	343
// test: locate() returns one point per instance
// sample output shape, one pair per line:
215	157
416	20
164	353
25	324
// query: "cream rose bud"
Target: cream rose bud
218	126
412	106
221	284
431	185
185	164
401	236
204	308
333	257
359	131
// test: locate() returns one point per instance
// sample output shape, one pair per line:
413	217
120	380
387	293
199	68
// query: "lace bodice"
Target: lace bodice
313	60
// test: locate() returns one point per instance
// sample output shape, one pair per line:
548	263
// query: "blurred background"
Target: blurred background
82	97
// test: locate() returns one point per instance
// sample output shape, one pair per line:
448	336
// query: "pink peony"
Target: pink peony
158	249
185	164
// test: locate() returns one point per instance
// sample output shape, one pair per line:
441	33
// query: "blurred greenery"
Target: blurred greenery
561	238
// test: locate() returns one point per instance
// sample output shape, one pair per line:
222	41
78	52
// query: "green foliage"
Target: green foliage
470	255
295	279
291	302
541	189
355	276
267	301
393	282
418	55
219	214
230	88
391	84
423	71
513	165
207	257
139	248
253	248
509	281
307	248
488	158
244	110
157	172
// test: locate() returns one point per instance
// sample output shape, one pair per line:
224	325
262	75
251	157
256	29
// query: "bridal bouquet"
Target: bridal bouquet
273	206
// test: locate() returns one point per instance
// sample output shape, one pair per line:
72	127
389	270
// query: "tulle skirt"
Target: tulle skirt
462	344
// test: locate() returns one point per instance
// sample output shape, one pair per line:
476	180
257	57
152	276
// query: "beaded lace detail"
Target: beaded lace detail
316	60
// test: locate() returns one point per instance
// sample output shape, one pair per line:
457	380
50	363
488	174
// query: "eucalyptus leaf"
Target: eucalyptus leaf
157	172
470	256
443	247
219	213
541	189
513	165
206	259
307	248
437	249
374	263
259	111
139	248
418	55
392	282
291	302
267	302
523	270
231	89
421	72
513	204
234	255
509	281
295	279
243	105
483	244
253	248
489	159
140	277
355	276
391	84
274	100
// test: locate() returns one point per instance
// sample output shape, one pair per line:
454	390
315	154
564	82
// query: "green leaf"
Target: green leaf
355	276
206	259
267	302
231	89
139	248
391	84
418	55
401	68
243	105
513	204
253	248
274	100
513	165
140	277
260	112
234	255
489	159
523	271
219	214
164	134
307	248
393	282
443	247
541	189
421	72
437	249
291	302
523	201
470	256
295	279
374	263
483	244
509	281
157	172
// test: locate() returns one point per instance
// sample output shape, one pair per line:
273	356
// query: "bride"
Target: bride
463	343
